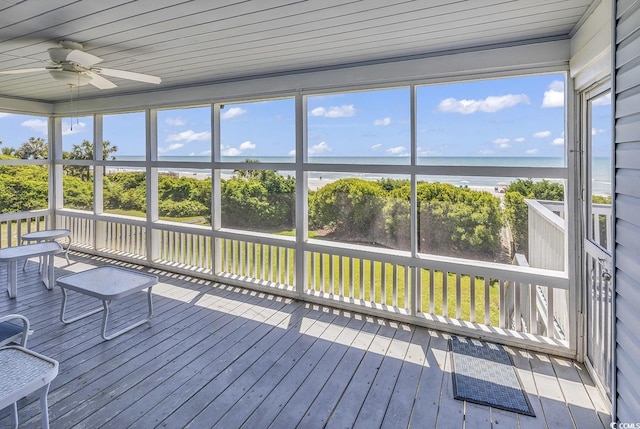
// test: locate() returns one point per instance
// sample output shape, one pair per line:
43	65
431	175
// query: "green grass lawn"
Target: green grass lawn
465	287
6	241
321	280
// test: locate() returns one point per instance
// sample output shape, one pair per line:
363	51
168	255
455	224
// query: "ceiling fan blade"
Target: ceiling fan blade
20	71
100	82
129	75
83	58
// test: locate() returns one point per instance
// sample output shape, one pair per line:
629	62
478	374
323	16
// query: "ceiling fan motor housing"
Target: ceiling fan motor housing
70	77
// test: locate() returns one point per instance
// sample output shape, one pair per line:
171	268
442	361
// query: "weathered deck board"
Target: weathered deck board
221	356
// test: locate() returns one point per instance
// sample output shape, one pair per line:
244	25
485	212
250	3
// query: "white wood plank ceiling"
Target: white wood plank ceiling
200	41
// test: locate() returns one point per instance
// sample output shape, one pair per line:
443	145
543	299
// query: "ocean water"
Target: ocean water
601	174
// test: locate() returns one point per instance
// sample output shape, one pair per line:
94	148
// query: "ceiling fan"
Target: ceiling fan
74	67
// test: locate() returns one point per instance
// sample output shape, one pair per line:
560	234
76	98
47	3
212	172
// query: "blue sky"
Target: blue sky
521	116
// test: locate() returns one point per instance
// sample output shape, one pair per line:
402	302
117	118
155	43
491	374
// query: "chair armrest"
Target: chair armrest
4	321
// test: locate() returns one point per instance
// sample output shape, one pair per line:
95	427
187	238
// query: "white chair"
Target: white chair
11	332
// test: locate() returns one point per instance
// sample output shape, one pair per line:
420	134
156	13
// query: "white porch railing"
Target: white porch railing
546	232
547	250
13	226
474	298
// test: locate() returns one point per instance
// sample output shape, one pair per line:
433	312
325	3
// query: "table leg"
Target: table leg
24	267
105	316
66	251
14	415
48	273
44	408
73	319
12	278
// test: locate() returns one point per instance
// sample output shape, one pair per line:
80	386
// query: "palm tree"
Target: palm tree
35	148
84	151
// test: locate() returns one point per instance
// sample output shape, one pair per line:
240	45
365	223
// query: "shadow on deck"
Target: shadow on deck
223	356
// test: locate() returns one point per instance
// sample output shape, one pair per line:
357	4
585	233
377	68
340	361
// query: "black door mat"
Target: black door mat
483	373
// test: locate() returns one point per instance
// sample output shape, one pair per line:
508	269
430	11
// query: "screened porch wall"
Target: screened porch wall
340	274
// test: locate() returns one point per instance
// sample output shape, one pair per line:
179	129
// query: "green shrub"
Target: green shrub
186	208
23	188
258	200
349	207
456	220
452	220
125	191
78	193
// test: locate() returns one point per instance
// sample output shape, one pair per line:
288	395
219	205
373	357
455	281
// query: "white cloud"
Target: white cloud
175	121
398	150
170	148
605	100
596	131
532	151
292	152
5	115
542	134
554	96
428	153
235	151
485	152
38	125
68	129
233	112
490	104
502	143
319	148
247	145
382	122
346	110
230	151
189	136
376	146
558	141
519	139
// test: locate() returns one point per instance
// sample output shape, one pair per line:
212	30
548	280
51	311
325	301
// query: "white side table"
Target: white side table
11	255
48	235
23	372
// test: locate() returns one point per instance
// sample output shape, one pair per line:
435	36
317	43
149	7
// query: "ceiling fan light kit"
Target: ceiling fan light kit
74	67
70	77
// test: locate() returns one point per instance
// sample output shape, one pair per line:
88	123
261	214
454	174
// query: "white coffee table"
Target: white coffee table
23	372
107	284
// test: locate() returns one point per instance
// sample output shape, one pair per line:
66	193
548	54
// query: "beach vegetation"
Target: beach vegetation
23	187
452	220
258	200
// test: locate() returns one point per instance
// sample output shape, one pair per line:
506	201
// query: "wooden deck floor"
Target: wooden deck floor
221	356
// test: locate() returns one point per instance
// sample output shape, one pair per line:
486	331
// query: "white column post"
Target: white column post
100	228
216	198
151	156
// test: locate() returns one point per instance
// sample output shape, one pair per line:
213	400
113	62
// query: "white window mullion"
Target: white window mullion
302	200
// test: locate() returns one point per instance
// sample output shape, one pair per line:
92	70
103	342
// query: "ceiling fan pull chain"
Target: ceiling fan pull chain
71	97
77	118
